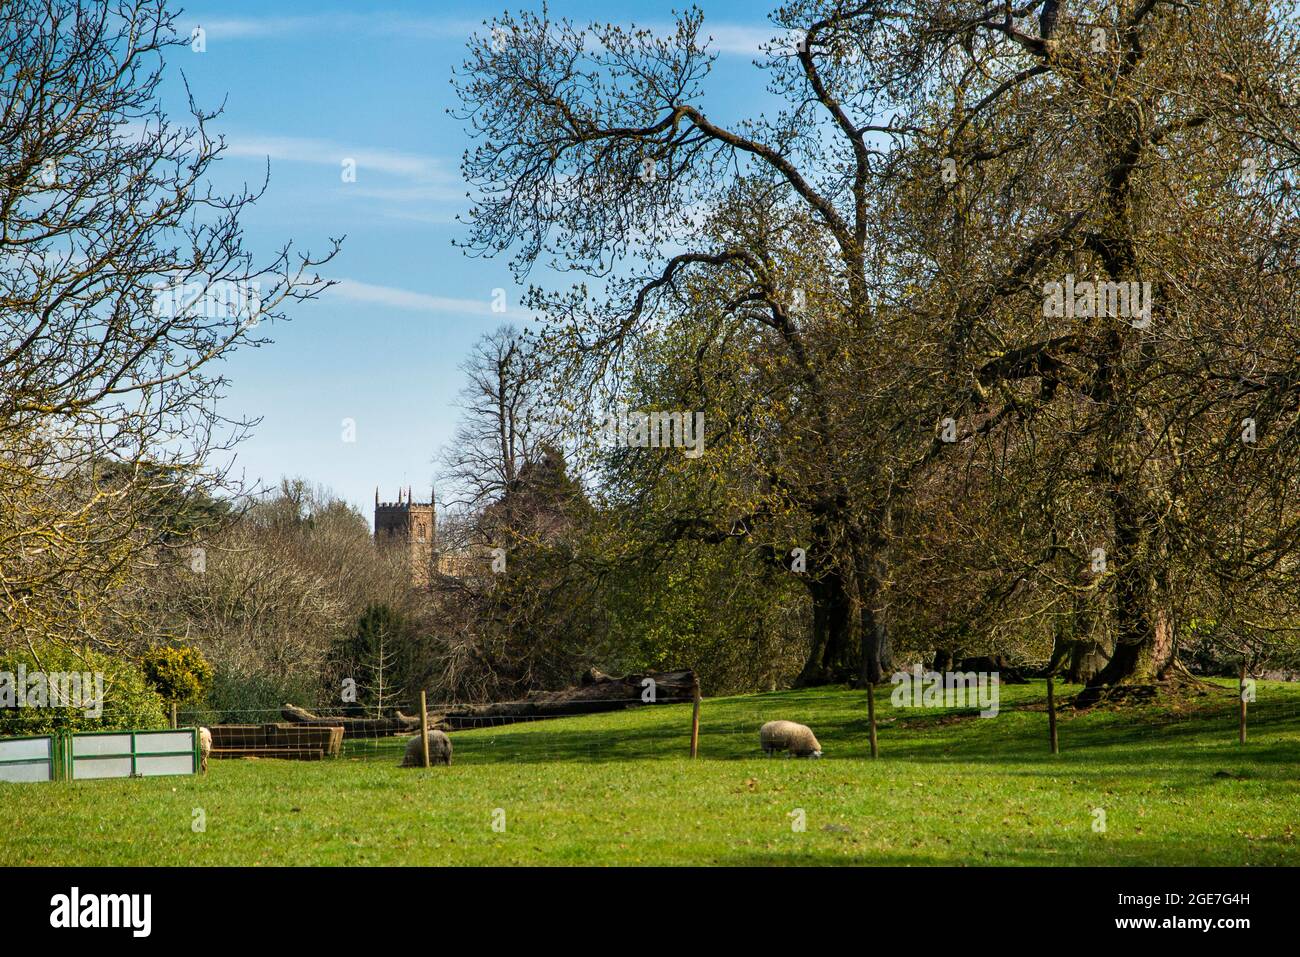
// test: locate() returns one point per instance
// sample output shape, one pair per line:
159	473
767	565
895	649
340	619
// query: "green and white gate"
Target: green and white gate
86	755
132	754
35	758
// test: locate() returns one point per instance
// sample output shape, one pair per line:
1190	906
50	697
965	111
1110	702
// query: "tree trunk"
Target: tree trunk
875	652
352	727
1139	659
1076	651
875	657
1087	650
810	673
1087	657
1143	625
833	658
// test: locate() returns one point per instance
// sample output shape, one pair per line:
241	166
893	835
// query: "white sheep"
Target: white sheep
788	736
439	750
205	748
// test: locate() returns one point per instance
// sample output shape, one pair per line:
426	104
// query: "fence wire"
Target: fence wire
1208	715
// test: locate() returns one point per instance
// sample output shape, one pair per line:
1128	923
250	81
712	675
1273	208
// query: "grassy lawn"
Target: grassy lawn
952	789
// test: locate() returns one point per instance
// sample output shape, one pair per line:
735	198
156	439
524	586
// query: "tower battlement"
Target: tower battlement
408	524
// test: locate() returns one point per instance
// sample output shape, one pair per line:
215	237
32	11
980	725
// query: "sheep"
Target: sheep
439	750
788	736
205	748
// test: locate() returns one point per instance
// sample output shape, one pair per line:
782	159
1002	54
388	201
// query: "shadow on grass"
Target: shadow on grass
1204	735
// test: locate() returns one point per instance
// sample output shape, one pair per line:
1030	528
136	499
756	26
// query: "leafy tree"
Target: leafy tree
860	282
180	674
1106	441
588	158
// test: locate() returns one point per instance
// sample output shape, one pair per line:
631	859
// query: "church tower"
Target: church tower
408	525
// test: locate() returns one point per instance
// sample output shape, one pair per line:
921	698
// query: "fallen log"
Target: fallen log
596	693
275	740
353	727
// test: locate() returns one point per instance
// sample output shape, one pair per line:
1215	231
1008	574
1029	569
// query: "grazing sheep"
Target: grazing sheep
205	748
788	736
439	750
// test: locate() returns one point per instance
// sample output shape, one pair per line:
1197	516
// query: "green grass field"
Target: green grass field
949	788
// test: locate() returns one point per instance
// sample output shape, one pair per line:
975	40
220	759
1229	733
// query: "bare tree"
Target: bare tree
505	420
123	277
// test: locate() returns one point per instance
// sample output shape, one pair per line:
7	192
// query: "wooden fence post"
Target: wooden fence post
1051	714
695	717
1241	693
424	729
871	718
174	724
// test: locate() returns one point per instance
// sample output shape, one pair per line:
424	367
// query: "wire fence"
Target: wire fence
521	736
1205	716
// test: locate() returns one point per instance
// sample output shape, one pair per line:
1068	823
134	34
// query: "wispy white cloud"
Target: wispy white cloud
378	23
446	218
446	190
395	298
740	40
727	38
248	28
391	184
294	149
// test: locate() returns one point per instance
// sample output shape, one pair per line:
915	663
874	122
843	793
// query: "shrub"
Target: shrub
129	702
180	674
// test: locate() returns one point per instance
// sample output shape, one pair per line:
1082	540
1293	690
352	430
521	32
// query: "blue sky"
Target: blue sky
308	85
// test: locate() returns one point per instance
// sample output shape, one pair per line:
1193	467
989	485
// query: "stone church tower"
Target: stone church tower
408	525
